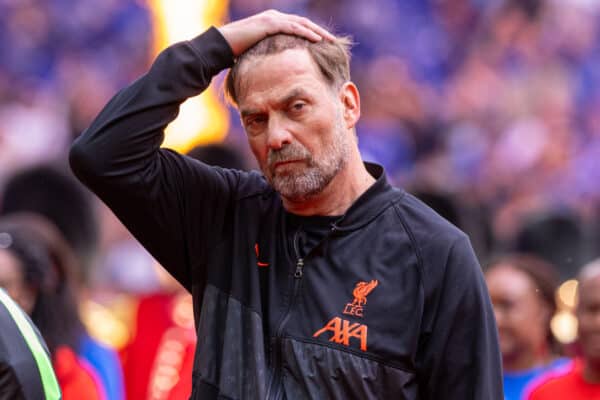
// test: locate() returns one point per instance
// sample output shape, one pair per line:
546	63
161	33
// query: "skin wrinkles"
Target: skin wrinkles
299	127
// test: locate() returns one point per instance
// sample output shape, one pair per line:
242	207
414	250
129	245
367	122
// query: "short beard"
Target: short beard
307	182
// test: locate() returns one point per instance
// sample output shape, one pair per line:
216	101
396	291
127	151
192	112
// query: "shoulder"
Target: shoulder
437	242
427	226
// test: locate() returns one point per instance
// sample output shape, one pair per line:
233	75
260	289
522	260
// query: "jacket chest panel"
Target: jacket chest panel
360	304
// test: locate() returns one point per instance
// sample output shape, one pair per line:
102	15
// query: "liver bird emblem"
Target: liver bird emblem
362	290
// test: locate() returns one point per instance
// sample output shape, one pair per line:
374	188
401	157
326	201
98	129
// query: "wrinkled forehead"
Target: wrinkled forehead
262	73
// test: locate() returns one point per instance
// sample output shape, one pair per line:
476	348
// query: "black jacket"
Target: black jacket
390	305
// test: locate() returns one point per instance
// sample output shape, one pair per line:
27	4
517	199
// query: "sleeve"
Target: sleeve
172	204
459	356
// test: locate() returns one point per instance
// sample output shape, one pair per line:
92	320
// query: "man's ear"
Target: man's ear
350	99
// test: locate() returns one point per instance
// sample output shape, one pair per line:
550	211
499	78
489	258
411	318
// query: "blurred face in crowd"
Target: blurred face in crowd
298	125
521	316
13	281
588	315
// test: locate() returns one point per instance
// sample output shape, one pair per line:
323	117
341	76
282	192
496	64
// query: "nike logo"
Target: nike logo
260	264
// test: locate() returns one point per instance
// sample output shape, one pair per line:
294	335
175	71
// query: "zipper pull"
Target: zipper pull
299	266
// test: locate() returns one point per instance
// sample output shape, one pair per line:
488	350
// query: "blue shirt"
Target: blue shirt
106	363
516	382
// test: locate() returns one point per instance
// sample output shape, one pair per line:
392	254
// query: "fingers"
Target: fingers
310	28
296	25
244	33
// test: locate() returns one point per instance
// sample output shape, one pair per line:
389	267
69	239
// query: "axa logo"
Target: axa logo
360	293
341	330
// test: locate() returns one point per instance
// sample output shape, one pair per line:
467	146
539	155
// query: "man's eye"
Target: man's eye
298	106
255	121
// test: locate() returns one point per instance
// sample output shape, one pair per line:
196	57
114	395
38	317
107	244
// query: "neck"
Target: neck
348	185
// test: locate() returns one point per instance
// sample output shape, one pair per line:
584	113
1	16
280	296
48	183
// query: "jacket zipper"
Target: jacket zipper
277	364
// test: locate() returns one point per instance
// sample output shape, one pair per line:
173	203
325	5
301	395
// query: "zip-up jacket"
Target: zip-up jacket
390	304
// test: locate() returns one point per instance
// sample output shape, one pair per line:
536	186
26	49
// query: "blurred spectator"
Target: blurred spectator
51	193
581	379
522	289
39	272
557	238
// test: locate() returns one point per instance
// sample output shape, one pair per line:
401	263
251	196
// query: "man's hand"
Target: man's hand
244	33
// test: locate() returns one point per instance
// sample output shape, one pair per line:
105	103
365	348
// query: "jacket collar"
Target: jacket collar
371	203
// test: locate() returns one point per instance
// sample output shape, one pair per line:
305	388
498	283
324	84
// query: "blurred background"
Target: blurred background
488	110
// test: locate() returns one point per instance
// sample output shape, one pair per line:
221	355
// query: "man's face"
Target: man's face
521	315
294	122
588	315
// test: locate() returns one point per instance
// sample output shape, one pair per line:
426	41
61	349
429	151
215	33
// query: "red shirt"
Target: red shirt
76	379
565	384
158	362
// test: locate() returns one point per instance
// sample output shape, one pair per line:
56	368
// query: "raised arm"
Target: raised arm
169	202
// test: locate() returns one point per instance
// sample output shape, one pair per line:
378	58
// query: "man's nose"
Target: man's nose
278	134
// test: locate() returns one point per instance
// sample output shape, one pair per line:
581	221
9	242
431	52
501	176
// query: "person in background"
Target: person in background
580	380
48	190
51	191
25	368
522	288
38	273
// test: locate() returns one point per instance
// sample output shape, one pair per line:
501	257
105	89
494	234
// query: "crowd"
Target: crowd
489	111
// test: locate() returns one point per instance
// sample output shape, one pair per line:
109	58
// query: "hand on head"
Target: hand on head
244	33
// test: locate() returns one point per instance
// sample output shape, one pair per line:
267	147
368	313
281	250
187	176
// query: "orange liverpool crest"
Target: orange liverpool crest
360	293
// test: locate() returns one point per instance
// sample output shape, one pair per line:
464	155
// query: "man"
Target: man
581	379
25	367
317	280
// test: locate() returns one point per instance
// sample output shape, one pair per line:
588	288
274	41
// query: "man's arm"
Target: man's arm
158	194
459	359
171	204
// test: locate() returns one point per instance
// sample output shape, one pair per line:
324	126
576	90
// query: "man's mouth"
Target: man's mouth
284	163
